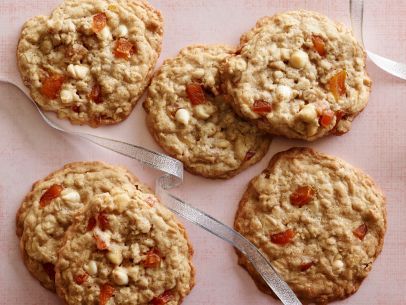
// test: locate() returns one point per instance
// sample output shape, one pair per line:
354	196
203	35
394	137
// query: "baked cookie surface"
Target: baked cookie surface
191	118
319	221
90	61
48	210
130	251
298	74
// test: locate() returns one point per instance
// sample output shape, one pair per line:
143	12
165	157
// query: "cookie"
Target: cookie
47	211
319	221
131	251
299	75
191	118
91	60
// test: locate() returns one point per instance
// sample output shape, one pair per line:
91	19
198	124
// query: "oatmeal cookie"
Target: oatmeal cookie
130	251
91	60
298	74
191	118
320	222
47	211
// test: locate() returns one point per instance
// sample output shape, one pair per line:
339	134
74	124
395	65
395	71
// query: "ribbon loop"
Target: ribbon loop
357	18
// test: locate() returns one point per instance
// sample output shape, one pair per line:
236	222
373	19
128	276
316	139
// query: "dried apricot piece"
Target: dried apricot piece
100	244
261	107
91	224
153	259
319	45
302	196
195	94
81	278
103	221
99	22
95	94
361	231
326	118
163	298
106	292
123	49
52	85
53	192
283	238
336	84
305	266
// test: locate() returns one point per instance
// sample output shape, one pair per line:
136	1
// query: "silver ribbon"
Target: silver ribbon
173	175
357	17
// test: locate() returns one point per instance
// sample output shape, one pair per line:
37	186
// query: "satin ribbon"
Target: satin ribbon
173	175
357	17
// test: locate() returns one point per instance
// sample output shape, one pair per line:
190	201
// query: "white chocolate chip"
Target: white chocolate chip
285	53
278	74
120	276
331	241
105	34
115	255
299	59
308	113
121	200
122	30
338	264
91	268
78	71
283	92
66	96
70	195
182	116
204	111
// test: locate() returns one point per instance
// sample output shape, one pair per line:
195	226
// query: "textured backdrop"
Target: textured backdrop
377	143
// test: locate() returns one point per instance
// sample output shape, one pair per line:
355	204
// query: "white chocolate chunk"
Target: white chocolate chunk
338	264
78	71
122	30
283	92
120	276
70	195
182	116
66	96
308	113
91	268
204	111
105	34
299	59
115	256
121	200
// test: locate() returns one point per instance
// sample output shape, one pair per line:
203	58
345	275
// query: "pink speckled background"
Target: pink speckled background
377	143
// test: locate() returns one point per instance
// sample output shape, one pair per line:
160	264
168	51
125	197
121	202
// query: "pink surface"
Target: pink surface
377	143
